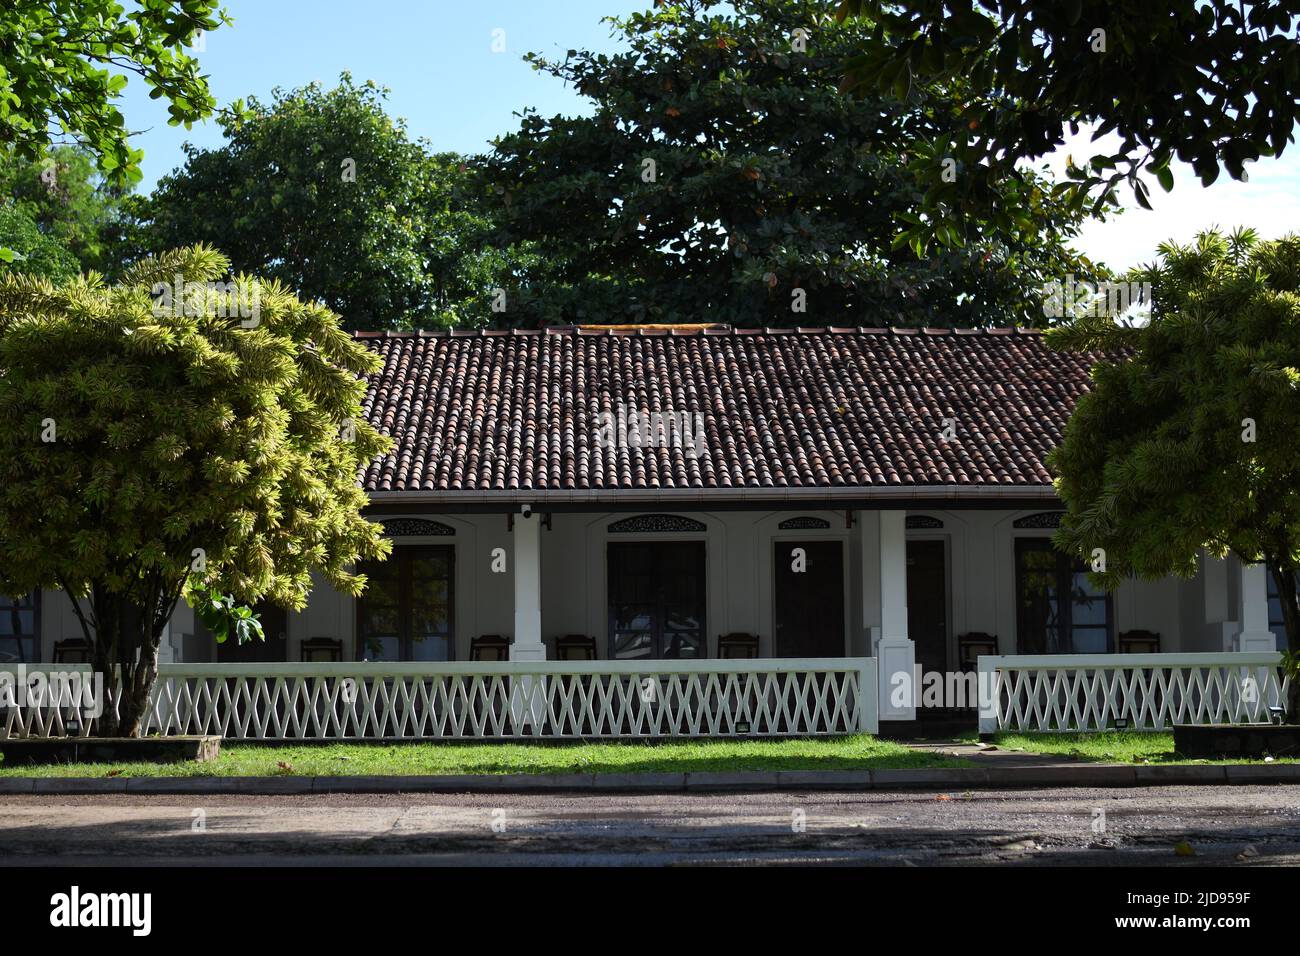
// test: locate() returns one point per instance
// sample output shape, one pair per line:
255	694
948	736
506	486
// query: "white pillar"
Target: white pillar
896	654
528	644
869	538
1254	634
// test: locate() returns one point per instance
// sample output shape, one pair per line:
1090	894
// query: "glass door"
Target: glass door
656	600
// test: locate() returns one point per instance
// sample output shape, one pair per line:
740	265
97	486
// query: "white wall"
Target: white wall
1189	615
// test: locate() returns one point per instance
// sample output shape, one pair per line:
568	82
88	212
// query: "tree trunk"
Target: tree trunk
125	651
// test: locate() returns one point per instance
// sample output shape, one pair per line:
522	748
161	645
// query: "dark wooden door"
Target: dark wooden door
657	600
927	603
273	649
809	598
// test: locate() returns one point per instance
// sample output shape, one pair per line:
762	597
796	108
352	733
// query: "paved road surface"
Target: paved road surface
1232	826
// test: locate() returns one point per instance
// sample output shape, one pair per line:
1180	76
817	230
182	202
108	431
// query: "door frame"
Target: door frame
704	589
846	574
765	569
950	637
358	604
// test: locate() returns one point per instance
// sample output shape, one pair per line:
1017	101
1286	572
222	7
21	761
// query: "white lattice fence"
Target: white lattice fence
776	698
1086	692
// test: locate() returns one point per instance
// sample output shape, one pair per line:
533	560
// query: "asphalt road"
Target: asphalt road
1223	826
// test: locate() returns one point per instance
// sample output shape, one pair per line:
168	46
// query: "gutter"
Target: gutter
865	498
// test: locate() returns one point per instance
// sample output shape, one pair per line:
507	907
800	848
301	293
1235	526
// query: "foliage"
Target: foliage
1190	436
213	438
323	191
62	66
24	248
765	181
1211	82
69	202
223	616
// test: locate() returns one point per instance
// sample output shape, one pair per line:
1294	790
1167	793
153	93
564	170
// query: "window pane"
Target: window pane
20	650
376	648
1089	640
1040	604
633	644
430	647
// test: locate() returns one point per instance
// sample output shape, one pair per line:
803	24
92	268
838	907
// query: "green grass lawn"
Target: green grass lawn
237	760
1109	747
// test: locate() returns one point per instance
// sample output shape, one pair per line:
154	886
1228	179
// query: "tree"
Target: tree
68	201
176	431
1190	436
62	65
32	251
1212	82
722	177
323	191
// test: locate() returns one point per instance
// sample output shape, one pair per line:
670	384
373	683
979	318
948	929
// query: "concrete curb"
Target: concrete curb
972	778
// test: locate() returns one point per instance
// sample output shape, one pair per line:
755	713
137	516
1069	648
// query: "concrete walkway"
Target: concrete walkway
991	756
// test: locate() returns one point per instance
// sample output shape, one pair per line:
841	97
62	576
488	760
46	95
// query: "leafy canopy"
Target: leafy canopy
62	66
1215	83
325	192
25	248
71	204
721	175
213	438
1190	436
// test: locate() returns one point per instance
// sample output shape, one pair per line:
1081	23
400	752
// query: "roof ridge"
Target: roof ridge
695	329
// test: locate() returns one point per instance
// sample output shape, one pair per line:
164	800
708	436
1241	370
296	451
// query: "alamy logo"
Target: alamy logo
1074	299
75	908
79	690
633	428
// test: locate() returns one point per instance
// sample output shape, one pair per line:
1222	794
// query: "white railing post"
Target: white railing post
987	694
868	700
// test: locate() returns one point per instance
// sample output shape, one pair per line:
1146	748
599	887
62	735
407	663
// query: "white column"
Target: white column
1254	634
896	654
528	644
869	538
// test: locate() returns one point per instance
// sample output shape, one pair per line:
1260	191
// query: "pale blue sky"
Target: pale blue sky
437	59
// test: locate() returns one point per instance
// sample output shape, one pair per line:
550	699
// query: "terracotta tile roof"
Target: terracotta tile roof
796	409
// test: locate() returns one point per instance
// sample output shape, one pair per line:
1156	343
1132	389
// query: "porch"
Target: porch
852	609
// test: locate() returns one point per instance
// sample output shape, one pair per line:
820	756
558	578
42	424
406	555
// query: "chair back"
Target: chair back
75	650
1139	642
737	646
971	647
489	647
321	650
575	647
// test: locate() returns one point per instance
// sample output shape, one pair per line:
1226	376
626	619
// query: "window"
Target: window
1058	609
1275	622
406	611
20	628
656	600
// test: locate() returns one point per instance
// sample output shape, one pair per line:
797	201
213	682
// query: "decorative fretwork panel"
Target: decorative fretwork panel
1044	519
922	522
1086	692
656	524
557	699
804	523
413	527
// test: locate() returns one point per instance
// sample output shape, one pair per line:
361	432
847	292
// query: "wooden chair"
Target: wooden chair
489	647
971	647
1139	642
321	650
737	646
575	647
75	650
